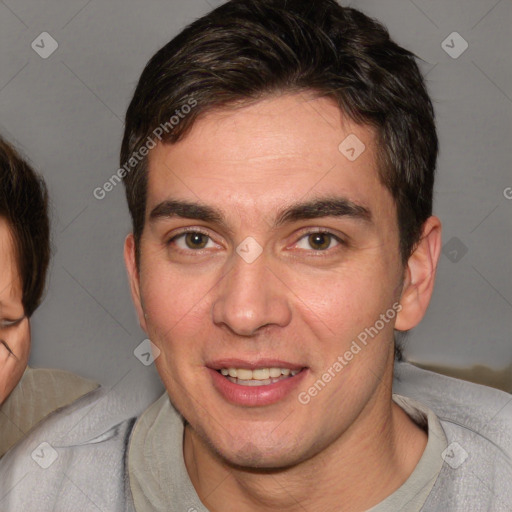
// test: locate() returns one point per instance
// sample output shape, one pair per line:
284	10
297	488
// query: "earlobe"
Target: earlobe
133	277
419	276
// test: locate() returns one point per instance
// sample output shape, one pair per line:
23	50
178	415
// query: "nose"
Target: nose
250	297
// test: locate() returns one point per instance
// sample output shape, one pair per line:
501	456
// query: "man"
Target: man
278	158
26	394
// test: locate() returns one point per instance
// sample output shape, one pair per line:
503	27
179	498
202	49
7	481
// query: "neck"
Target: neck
363	466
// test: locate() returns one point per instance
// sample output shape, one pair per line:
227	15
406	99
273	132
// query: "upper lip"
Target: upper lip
217	364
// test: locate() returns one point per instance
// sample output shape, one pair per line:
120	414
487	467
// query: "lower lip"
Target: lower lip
253	396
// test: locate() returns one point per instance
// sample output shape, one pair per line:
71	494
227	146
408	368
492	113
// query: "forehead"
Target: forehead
258	157
10	285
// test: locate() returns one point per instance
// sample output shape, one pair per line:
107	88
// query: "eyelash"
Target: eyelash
4	324
340	241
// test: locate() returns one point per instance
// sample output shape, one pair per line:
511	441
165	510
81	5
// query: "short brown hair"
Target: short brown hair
24	204
248	49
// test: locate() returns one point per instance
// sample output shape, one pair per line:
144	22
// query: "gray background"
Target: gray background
65	113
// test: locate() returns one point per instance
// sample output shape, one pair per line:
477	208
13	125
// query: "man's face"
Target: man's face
325	274
14	326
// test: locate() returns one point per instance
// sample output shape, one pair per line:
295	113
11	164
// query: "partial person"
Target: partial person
27	394
279	159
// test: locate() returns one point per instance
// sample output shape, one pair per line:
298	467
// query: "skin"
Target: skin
295	302
14	326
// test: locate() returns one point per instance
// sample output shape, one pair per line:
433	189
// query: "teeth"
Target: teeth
274	372
241	373
252	382
259	374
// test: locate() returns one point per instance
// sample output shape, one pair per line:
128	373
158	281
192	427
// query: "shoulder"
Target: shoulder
477	422
75	459
480	409
40	392
52	379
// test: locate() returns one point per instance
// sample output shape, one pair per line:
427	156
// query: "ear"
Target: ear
419	278
133	277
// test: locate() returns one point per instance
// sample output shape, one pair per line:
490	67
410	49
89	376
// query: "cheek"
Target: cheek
25	342
344	301
19	341
177	306
11	368
165	292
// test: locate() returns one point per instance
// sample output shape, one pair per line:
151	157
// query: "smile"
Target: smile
265	383
257	376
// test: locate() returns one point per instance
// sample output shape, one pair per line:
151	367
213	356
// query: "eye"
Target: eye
192	240
4	323
318	241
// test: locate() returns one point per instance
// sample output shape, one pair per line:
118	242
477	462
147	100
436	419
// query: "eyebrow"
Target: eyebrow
314	209
5	305
326	207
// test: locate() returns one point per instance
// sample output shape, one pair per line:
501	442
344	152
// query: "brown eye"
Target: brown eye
190	242
320	241
196	240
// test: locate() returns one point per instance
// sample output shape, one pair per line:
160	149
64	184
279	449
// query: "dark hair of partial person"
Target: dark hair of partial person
247	50
24	205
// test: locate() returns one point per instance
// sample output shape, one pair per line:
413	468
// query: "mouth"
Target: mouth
256	383
258	376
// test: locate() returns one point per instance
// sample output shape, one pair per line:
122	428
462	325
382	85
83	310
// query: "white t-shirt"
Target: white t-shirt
158	475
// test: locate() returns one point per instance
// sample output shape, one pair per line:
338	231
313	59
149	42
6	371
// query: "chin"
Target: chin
259	455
